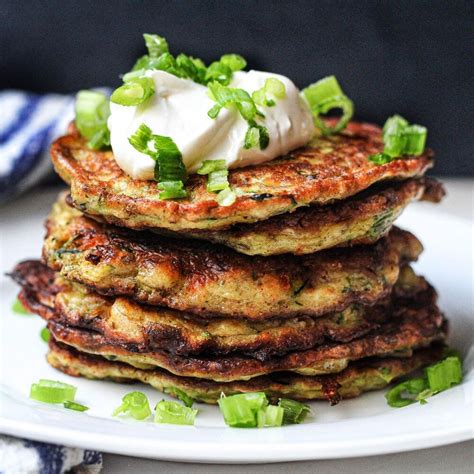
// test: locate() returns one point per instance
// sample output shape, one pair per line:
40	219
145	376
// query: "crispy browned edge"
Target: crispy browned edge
209	280
192	335
334	387
291	182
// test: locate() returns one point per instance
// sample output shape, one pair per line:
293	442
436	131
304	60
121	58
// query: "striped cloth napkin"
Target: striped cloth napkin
28	124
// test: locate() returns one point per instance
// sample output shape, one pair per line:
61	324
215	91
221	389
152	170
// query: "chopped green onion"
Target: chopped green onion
170	171
444	374
234	61
75	406
45	334
174	413
273	87
141	139
240	411
172	190
181	395
400	138
405	393
208	166
134	92
226	197
256	136
325	95
193	69
134	404
294	412
51	391
170	160
219	73
217	181
415	136
92	112
229	97
270	416
380	158
156	45
18	308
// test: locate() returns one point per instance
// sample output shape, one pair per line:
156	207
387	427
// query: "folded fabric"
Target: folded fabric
23	456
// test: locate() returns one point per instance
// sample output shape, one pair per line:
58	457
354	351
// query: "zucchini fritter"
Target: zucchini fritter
212	280
142	328
359	377
328	169
361	219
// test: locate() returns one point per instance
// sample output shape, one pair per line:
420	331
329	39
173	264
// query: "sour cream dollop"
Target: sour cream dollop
178	109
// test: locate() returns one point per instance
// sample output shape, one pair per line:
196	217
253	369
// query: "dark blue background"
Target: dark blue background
410	57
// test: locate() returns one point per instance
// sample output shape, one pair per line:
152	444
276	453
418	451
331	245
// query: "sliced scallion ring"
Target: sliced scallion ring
444	374
18	308
325	95
52	391
134	92
294	412
75	406
174	413
134	404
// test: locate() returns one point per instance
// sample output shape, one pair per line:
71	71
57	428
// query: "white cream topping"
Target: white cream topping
178	109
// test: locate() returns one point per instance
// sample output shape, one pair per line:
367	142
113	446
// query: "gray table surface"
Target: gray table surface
457	458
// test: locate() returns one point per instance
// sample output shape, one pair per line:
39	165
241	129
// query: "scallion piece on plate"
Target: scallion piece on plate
234	61
270	416
415	139
172	190
238	412
208	166
134	404
174	413
45	334
256	136
156	45
405	393
324	96
52	391
217	181
18	308
294	412
141	139
75	406
380	158
134	92
92	112
271	90
444	374
170	160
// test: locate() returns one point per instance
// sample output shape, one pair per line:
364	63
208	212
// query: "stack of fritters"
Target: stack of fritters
301	288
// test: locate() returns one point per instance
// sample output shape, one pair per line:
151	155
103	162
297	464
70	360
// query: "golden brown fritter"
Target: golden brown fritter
359	377
361	219
412	323
330	168
206	279
146	329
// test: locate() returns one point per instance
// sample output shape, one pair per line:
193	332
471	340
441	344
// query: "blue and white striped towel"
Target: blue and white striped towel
30	457
28	124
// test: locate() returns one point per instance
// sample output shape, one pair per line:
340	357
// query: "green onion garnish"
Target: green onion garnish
226	197
217	175
172	190
134	92
134	404
92	112
170	171
444	374
271	90
229	97
325	95
438	377
45	334
405	393
294	412
400	138
256	136
270	416
181	395
240	411
234	61
156	45
18	308
174	413
75	406
51	391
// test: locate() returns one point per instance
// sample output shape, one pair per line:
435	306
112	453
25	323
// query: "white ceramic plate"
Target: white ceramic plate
360	427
